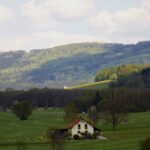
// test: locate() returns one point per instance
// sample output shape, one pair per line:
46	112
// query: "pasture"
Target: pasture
32	131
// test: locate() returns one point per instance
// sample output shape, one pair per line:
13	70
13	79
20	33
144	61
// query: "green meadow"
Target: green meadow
126	137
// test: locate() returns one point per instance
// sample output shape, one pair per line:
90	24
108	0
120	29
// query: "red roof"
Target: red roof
76	122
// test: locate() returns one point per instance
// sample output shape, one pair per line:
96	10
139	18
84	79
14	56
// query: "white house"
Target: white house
81	125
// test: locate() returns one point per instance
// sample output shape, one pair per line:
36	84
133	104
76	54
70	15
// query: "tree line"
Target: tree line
131	75
135	99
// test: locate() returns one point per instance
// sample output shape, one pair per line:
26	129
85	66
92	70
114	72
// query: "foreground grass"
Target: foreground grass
31	131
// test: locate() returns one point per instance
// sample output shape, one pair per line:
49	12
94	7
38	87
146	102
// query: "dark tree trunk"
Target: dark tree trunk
114	126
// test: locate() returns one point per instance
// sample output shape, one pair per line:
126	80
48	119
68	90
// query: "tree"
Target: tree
71	112
145	144
116	109
134	81
93	114
146	76
102	75
55	138
22	110
113	77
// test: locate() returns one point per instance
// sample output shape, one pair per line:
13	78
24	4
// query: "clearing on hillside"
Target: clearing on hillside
92	85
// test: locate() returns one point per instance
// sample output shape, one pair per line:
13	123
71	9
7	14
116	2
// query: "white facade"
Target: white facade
82	127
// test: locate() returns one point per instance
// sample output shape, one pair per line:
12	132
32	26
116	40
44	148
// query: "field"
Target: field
92	85
31	131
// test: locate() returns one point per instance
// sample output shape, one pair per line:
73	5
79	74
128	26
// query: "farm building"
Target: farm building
81	125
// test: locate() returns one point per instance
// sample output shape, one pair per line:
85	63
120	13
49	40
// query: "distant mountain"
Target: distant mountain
66	65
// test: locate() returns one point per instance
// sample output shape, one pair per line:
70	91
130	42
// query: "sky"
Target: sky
35	24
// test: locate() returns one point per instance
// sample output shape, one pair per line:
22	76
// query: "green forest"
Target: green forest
129	76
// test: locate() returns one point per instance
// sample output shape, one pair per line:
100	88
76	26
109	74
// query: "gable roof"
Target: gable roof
76	122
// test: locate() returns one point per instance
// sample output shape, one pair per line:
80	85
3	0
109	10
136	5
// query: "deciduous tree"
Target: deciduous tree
116	109
93	114
55	138
71	112
22	110
145	144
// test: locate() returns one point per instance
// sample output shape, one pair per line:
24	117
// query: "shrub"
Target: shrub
55	139
76	137
21	145
67	135
45	107
145	144
95	135
22	110
86	135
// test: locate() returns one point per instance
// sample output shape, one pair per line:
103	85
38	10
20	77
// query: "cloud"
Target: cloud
103	22
6	14
51	14
45	39
38	14
49	23
132	22
57	9
58	38
70	9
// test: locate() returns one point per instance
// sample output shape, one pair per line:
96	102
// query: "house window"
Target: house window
79	132
86	126
86	131
79	126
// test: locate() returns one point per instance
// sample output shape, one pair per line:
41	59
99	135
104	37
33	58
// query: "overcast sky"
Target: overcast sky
34	24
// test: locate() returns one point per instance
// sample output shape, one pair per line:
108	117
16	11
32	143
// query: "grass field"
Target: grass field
31	131
92	85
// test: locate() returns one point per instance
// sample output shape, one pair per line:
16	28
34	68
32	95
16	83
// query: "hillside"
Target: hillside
66	65
129	76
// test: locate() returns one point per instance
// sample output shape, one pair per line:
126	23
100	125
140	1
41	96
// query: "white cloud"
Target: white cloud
6	14
54	9
53	14
43	40
146	4
38	14
68	9
50	14
12	43
54	38
49	20
103	22
132	22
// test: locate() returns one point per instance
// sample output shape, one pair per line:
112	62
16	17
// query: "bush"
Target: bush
67	135
45	107
86	135
76	137
113	77
145	144
95	135
55	138
22	110
21	145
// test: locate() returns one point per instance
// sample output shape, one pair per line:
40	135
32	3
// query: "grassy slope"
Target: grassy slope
92	85
126	137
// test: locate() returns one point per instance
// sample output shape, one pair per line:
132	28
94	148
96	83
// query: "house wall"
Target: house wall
82	129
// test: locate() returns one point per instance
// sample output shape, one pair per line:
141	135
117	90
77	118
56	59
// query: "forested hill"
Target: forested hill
66	65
